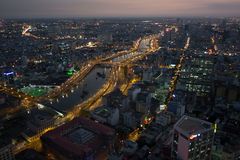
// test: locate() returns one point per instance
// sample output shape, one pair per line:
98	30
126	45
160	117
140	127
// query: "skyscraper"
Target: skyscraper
192	139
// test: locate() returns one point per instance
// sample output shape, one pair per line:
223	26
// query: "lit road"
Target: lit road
105	89
91	102
111	82
67	86
213	41
70	83
135	135
25	32
177	72
79	76
13	92
26	100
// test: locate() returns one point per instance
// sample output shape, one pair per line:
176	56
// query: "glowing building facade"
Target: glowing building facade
192	139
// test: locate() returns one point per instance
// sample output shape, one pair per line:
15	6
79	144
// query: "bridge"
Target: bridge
70	83
27	100
90	103
141	48
13	92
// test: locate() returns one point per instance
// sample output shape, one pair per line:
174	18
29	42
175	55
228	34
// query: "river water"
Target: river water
86	88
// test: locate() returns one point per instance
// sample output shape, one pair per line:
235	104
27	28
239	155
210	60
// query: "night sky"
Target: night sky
117	8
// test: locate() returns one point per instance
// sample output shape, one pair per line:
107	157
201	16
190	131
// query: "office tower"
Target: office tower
192	139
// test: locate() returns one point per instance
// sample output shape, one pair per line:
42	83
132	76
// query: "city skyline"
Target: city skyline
124	8
119	88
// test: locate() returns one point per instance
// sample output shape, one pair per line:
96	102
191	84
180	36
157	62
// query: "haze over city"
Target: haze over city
117	8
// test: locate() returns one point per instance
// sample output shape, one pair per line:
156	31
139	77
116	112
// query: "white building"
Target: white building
106	115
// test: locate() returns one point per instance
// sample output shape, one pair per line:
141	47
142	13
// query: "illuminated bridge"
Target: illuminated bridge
120	57
145	46
13	92
26	100
141	48
109	85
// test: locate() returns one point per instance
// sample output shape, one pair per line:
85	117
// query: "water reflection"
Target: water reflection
86	88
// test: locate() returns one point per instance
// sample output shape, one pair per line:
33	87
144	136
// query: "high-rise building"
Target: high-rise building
197	75
192	139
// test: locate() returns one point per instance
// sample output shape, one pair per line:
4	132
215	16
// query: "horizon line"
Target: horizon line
118	17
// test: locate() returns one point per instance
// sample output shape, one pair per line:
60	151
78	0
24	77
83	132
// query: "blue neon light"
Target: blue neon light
8	73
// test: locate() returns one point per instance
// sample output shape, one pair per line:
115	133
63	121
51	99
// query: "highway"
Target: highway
13	91
72	82
110	84
84	71
90	103
69	84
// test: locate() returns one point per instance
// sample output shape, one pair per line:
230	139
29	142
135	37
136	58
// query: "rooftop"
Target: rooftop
102	111
40	116
189	125
79	137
